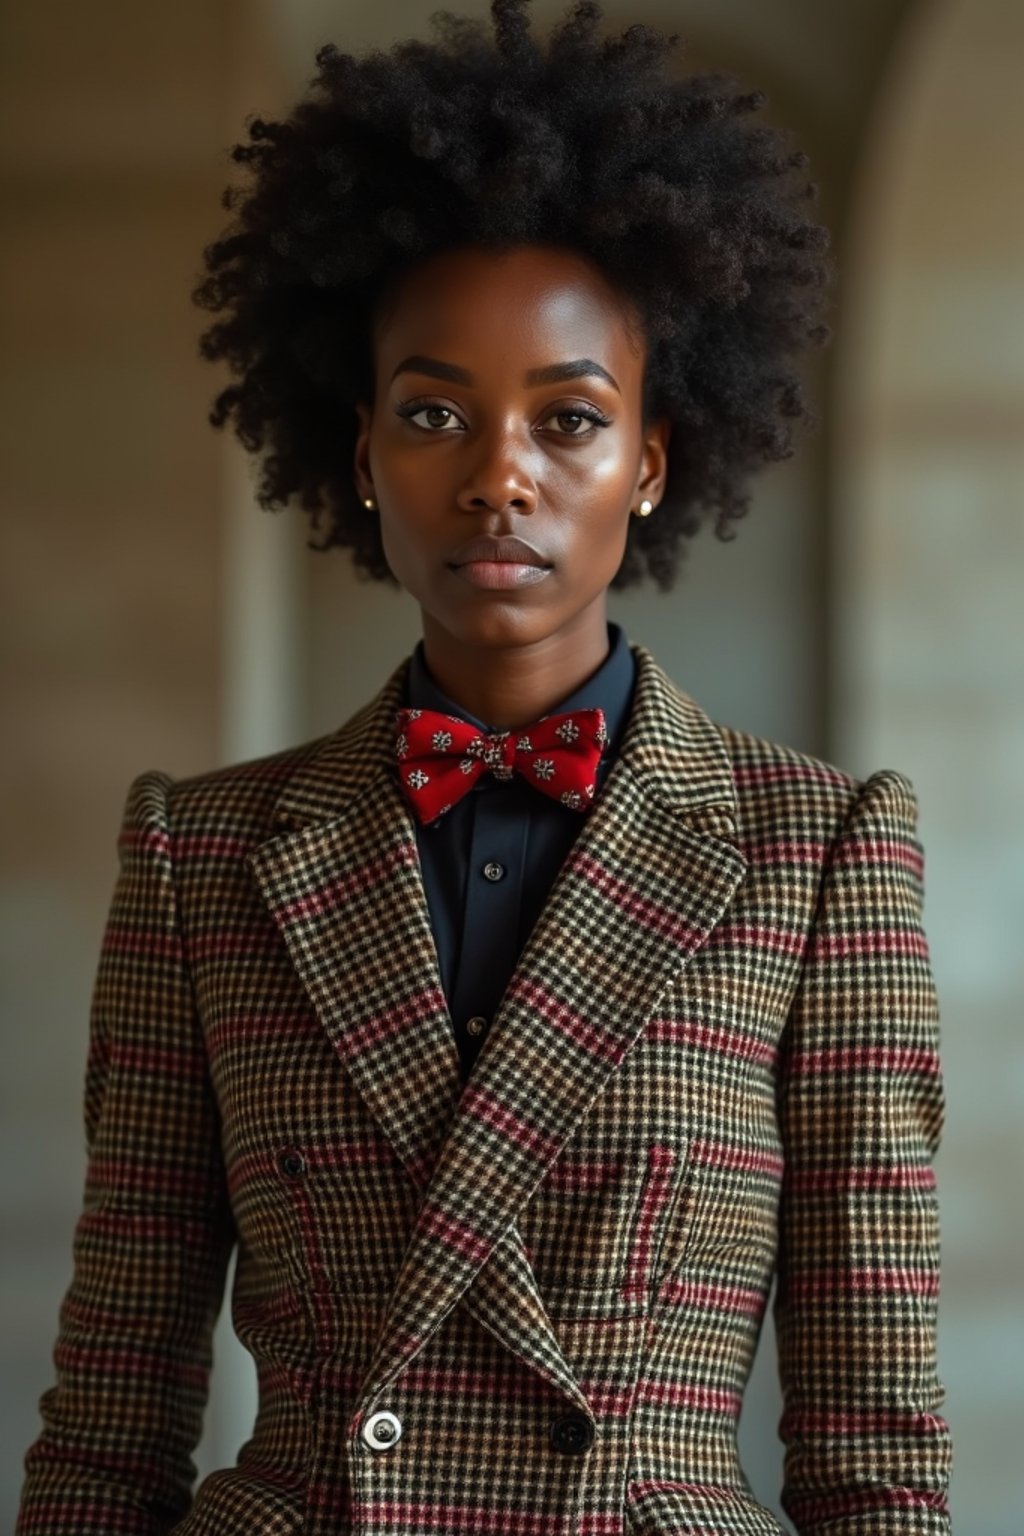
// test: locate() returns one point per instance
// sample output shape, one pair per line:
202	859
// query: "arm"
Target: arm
152	1243
861	1111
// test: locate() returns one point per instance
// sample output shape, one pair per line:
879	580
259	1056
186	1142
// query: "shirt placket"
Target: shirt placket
491	920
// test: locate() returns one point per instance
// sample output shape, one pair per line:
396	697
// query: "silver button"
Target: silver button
494	870
476	1025
381	1430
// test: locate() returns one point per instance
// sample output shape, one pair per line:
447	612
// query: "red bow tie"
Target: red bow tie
440	757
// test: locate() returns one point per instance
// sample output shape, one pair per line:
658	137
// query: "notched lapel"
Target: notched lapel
341	878
347	896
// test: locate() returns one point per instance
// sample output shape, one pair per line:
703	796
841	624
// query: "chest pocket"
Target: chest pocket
596	1223
350	1208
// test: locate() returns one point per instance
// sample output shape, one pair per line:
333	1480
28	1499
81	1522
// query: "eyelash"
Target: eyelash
409	408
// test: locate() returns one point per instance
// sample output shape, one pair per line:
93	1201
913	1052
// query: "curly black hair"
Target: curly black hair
686	206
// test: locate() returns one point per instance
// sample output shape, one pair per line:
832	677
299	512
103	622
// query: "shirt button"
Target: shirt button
381	1430
493	870
573	1433
476	1025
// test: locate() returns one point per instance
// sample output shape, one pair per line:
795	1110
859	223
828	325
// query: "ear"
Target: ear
361	460
654	460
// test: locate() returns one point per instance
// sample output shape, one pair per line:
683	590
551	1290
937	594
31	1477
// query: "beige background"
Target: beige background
869	610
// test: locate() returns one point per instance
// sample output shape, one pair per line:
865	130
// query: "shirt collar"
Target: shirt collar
610	688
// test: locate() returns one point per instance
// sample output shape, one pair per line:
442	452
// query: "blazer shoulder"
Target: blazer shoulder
236	799
779	786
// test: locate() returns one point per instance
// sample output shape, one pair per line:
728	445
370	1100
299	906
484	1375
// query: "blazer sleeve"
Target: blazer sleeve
154	1236
861	1112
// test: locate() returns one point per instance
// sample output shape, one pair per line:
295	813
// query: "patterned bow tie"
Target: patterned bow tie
440	757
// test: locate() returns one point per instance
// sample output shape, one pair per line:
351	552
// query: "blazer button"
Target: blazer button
381	1430
573	1433
292	1164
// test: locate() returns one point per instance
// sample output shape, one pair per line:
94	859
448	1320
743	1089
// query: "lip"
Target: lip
498	551
500	574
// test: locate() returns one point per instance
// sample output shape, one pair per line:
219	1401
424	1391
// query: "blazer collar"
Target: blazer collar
650	874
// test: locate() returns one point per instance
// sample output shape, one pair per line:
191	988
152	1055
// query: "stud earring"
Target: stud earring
368	501
645	508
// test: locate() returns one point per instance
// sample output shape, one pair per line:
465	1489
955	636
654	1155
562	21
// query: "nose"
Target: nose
499	475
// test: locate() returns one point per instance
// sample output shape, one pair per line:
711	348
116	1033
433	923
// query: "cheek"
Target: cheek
399	472
402	546
614	465
598	538
603	472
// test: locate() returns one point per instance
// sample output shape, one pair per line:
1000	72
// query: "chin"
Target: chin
492	623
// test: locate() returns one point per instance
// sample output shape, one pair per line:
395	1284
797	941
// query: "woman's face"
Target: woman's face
508	402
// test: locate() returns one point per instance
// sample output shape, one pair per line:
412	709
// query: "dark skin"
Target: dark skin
500	455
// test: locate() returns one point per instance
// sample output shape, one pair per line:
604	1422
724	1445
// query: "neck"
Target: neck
511	686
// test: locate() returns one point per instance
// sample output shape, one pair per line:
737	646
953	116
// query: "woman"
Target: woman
522	1029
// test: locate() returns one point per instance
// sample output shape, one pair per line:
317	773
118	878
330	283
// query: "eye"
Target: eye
578	413
410	409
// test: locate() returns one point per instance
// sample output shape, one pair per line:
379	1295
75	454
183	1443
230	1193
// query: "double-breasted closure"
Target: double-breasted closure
715	1060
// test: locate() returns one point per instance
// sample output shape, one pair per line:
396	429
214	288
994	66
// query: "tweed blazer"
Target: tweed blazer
716	1061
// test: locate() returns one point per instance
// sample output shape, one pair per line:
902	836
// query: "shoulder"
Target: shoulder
782	789
235	801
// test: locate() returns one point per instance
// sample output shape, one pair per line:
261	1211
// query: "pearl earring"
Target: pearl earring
645	508
368	501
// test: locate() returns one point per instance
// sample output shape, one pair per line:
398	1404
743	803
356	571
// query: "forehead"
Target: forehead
517	303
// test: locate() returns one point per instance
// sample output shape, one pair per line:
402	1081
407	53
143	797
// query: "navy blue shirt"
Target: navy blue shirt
489	863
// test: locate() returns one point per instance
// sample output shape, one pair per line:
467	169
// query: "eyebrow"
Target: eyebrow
554	373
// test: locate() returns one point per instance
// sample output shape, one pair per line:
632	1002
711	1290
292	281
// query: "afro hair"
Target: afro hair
692	210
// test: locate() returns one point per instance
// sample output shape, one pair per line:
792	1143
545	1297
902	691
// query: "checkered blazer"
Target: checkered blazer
716	1060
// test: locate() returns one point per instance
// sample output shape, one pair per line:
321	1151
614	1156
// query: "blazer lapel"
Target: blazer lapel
648	877
342	882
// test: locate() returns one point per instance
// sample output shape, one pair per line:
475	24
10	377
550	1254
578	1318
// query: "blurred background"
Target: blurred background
868	612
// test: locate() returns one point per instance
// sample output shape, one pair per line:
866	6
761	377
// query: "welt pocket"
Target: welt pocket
594	1226
677	1507
723	1213
349	1212
660	1217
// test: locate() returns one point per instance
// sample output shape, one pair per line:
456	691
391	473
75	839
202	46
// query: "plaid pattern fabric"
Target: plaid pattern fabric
716	1056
